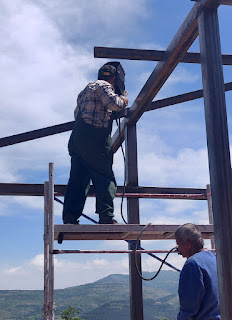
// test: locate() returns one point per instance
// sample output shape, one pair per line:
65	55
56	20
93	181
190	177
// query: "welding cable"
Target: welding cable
163	261
132	243
118	122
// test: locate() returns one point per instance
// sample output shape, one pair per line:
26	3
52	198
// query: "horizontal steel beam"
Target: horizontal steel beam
35	134
225	2
109	251
181	98
149	55
114	251
44	132
23	189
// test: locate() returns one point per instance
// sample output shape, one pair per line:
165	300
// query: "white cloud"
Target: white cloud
12	270
38	261
71	19
151	264
182	75
29	275
188	167
42	73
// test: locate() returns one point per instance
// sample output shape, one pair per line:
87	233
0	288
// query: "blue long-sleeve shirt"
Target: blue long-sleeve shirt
198	288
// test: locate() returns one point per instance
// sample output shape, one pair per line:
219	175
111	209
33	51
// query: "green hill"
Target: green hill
104	299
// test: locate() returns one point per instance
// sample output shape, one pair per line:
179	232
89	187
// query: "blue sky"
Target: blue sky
46	59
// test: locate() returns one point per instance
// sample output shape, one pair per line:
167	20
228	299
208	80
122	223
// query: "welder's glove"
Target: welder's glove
119	114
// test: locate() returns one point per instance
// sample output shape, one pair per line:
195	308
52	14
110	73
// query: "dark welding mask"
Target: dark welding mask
119	73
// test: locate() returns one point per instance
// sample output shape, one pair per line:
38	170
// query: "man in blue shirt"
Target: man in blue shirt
198	283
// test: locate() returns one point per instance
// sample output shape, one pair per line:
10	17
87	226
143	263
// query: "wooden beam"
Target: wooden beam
117	232
149	55
218	152
174	54
23	189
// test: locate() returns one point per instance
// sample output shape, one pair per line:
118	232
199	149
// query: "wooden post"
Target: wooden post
46	252
210	211
218	152
51	239
136	290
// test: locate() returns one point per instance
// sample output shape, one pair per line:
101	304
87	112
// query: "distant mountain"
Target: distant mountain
105	299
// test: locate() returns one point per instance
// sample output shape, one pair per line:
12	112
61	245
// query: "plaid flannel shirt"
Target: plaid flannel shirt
96	103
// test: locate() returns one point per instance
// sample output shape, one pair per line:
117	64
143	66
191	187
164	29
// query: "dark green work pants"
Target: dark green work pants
91	159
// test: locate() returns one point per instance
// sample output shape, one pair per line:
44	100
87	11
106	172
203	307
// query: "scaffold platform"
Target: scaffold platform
123	232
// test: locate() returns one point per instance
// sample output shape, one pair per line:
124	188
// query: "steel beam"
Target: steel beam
181	98
218	152
136	288
174	54
35	134
225	2
44	132
24	189
149	55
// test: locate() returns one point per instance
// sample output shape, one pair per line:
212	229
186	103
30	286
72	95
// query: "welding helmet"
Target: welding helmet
110	69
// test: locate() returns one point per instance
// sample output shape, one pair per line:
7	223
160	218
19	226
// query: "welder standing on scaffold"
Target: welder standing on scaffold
90	145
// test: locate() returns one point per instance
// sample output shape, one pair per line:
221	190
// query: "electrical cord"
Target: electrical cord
118	122
135	257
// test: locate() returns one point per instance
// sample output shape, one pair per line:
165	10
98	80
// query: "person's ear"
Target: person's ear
188	244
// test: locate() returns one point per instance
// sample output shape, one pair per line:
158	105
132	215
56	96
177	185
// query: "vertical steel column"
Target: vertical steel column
218	151
51	240
46	253
136	290
210	210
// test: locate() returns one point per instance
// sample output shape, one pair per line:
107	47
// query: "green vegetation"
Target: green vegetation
70	314
104	299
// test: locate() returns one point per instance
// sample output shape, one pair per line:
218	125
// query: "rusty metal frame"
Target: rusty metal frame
202	12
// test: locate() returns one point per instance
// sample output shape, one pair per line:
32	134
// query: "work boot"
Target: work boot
70	221
109	221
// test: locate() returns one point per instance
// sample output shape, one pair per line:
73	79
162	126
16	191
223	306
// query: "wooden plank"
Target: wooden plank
118	236
24	189
174	54
149	55
218	152
118	232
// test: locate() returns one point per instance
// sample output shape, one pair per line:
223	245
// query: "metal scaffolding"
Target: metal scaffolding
125	232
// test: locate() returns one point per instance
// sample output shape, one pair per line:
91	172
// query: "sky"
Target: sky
46	59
